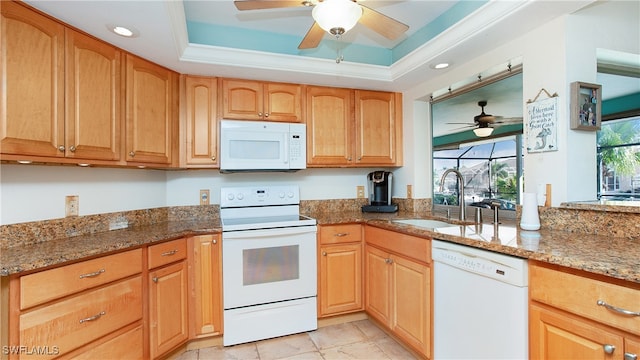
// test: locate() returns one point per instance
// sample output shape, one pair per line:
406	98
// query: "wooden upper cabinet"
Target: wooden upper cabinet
150	92
62	95
93	98
330	127
254	100
32	77
378	128
353	127
199	127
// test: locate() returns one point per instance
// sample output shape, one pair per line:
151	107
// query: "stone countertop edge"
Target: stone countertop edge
610	256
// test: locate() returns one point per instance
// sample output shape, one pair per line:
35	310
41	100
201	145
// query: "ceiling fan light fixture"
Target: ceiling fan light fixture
483	131
337	16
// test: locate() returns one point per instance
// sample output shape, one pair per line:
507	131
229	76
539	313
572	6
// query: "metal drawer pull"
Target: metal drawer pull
93	274
155	279
609	349
630	356
169	253
617	309
93	318
341	234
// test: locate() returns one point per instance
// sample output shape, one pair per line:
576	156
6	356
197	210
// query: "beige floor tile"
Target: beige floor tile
284	347
236	352
188	355
337	335
359	350
369	329
393	349
314	355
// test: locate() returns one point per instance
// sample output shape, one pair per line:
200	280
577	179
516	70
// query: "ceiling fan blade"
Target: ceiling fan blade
313	37
265	4
382	24
513	120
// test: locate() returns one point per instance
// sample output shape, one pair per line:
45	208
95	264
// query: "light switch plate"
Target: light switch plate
360	191
409	191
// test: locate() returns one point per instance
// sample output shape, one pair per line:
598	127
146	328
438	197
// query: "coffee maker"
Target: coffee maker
379	185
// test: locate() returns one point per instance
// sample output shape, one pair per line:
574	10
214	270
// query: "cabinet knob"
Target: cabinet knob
132	153
61	148
349	158
213	158
630	356
609	349
260	114
215	241
72	148
324	253
388	261
155	279
266	114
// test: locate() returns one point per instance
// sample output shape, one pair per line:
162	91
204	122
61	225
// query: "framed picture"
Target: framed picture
586	106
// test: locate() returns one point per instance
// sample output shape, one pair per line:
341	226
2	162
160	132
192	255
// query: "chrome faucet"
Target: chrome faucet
460	190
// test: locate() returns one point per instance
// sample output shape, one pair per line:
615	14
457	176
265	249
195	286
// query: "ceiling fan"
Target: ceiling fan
485	123
333	16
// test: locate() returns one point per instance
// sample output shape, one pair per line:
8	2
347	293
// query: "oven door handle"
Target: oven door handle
264	233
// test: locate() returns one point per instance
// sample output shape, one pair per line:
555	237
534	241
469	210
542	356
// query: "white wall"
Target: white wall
183	187
33	192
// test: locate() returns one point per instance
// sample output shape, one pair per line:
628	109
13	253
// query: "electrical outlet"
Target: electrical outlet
71	204
409	191
360	191
204	197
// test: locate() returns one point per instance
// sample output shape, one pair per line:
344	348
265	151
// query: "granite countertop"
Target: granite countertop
611	256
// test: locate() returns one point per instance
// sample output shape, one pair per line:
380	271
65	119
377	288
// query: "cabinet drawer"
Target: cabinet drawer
333	234
167	252
127	345
71	323
580	295
52	284
410	246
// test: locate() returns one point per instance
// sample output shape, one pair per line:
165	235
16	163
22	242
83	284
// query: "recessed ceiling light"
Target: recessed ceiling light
123	30
440	66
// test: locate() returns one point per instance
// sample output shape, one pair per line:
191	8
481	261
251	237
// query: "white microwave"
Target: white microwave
262	146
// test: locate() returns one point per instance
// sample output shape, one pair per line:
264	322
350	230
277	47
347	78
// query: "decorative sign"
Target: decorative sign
542	128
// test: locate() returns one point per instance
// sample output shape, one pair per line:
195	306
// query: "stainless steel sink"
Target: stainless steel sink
425	223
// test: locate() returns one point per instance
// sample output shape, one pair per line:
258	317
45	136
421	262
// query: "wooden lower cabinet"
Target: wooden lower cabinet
168	317
339	269
566	320
205	284
68	324
128	344
340	279
398	292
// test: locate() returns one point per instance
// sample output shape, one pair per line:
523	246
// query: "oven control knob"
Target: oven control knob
230	196
240	196
290	195
281	195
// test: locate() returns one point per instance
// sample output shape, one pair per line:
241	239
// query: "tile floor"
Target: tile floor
355	340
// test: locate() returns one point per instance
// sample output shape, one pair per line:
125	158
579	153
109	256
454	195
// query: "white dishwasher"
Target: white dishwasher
479	303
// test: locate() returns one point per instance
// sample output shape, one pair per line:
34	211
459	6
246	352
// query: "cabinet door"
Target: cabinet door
556	335
631	349
378	282
378	128
168	308
201	127
150	118
282	102
340	279
93	112
206	301
330	126
242	99
32	77
411	303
